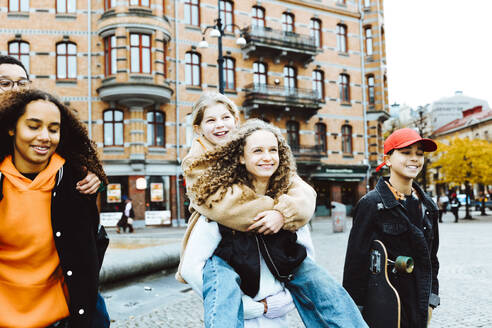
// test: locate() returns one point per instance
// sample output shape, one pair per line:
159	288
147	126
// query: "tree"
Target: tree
464	161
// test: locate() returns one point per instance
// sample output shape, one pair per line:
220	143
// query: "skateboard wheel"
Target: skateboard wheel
404	264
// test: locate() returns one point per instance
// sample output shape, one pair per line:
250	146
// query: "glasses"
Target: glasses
6	84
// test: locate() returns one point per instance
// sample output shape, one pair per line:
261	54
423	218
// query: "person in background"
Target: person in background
14	76
50	251
405	219
127	217
455	205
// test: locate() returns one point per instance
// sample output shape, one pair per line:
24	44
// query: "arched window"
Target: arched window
371	94
66	6
192	12
113	127
344	86
342	38
368	40
315	29
18	5
258	16
288	22
140	45
227	15
319	83
141	3
293	135
320	135
290	77
192	69
20	50
229	73
347	139
110	66
66	60
156	128
259	73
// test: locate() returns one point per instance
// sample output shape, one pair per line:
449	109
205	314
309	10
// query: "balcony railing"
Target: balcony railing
261	89
308	153
279	43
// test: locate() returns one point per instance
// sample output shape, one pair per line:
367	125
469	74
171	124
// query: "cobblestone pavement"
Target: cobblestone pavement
465	278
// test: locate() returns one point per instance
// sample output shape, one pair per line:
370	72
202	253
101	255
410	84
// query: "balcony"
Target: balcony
273	99
278	44
308	154
135	92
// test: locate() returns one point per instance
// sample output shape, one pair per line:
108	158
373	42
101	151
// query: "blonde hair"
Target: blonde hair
224	169
210	98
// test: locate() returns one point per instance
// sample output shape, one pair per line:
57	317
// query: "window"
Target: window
66	60
192	69
139	53
20	50
368	40
293	134
141	3
315	27
347	139
156	127
258	16
370	89
259	73
287	22
344	84
192	12
110	65
164	59
319	84
227	15
229	73
113	127
108	4
19	5
367	4
65	6
342	38
320	135
290	78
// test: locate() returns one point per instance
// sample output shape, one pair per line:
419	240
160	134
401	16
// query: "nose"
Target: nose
44	135
15	86
267	156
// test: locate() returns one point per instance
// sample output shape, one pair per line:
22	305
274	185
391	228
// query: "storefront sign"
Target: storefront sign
157	217
156	192
114	193
109	219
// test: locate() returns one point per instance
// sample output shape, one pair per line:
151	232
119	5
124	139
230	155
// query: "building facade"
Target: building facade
132	69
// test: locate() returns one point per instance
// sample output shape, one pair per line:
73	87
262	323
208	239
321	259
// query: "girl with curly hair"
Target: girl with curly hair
258	161
50	253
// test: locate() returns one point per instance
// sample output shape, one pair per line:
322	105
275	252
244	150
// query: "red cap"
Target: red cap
403	138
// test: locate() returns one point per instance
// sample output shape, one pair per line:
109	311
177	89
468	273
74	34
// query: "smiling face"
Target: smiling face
36	136
406	163
216	125
261	155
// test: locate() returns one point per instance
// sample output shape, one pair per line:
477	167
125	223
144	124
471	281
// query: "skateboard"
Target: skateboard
383	308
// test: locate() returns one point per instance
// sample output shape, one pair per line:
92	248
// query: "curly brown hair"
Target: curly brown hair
224	169
75	146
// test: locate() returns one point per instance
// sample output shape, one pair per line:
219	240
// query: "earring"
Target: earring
11	133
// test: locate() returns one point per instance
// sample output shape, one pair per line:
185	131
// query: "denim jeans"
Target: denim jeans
222	297
321	301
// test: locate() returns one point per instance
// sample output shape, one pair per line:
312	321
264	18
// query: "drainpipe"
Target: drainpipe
178	159
381	59
364	89
89	68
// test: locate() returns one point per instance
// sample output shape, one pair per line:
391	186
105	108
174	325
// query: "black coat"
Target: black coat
75	223
378	215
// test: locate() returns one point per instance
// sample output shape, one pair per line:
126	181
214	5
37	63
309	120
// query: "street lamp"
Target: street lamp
218	31
421	126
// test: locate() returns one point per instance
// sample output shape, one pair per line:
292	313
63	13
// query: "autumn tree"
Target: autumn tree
464	161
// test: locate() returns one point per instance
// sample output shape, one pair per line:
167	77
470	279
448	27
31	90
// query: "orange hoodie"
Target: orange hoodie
31	283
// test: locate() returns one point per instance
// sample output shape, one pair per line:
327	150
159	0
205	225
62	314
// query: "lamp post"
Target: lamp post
218	31
421	127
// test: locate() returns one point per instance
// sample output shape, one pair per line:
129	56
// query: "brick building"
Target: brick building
316	69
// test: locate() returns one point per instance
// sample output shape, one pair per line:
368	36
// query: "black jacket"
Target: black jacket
75	223
379	215
241	250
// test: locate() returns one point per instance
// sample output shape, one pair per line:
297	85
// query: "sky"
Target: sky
437	47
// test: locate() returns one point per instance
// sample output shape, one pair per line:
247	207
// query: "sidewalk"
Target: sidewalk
152	249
